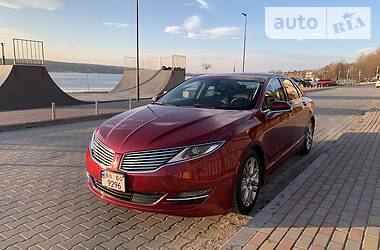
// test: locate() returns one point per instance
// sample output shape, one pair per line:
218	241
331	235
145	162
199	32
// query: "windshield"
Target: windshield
219	93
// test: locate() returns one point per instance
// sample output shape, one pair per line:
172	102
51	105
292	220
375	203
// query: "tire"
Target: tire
308	140
249	175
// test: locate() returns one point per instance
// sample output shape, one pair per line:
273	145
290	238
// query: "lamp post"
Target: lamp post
245	38
137	53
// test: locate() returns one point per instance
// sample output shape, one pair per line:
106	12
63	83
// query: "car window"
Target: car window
189	91
298	88
214	92
290	89
274	92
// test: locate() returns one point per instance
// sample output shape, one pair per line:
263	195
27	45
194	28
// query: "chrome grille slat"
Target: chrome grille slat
150	156
154	152
100	156
101	153
147	160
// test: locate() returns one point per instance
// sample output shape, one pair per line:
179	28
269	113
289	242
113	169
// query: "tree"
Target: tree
206	66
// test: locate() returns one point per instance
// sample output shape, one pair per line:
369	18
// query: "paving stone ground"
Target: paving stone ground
333	204
45	202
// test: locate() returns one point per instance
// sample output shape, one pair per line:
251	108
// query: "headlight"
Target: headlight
196	151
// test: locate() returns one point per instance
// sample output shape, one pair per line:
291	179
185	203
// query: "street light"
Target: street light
245	38
137	53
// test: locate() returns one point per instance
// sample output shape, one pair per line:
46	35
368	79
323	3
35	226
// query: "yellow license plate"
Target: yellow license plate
113	180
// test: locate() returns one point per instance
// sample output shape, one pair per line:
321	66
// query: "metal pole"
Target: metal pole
245	38
14	52
96	107
53	110
43	53
377	72
3	53
130	103
137	53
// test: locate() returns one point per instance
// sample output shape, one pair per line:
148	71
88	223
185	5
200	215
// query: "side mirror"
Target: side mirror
155	98
280	106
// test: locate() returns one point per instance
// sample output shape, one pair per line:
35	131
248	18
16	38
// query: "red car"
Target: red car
327	82
202	148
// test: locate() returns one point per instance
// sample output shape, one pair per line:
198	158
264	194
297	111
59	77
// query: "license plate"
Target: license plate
113	180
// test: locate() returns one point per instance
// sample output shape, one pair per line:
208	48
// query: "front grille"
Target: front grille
135	197
101	153
147	160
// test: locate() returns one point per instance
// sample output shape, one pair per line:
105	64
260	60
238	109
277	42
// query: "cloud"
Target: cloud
37	4
192	22
174	29
202	4
117	25
192	29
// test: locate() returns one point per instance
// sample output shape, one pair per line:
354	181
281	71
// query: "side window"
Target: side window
274	92
209	91
299	90
291	90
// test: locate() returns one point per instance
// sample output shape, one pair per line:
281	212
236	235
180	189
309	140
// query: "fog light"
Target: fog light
191	194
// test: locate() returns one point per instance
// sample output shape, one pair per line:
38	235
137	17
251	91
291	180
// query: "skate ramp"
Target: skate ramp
26	86
152	82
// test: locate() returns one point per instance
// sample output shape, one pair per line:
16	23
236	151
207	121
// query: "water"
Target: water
81	82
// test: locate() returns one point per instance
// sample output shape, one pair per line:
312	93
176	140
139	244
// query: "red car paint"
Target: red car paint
327	82
159	127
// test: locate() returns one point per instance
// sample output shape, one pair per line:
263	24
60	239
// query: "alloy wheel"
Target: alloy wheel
250	181
309	136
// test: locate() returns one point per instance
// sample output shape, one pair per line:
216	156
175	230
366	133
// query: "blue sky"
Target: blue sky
98	31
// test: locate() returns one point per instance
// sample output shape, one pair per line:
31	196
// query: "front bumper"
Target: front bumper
159	191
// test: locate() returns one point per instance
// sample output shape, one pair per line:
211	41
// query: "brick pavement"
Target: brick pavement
45	202
333	204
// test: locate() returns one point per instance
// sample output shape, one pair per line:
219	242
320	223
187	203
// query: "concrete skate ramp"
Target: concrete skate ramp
26	86
152	82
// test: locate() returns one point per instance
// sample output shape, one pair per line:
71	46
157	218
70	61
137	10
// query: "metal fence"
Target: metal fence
28	52
2	53
156	62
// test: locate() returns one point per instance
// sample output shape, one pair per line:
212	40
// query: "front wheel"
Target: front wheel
308	140
247	184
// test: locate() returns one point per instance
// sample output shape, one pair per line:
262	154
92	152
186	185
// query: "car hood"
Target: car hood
155	126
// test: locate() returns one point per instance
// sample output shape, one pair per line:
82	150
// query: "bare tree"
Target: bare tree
206	66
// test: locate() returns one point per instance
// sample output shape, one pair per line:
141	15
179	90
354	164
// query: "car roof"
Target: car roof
264	76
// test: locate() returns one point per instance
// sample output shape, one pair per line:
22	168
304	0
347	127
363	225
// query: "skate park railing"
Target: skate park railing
28	52
156	62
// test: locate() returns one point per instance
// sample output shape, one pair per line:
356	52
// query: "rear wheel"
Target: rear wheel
308	140
247	184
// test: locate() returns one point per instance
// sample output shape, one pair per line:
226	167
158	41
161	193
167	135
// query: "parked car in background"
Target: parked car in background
327	82
301	82
202	148
377	84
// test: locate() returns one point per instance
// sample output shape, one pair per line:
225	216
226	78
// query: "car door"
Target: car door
275	125
299	114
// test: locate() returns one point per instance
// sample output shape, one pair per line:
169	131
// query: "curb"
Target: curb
46	123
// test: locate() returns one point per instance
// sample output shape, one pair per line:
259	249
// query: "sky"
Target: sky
205	31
